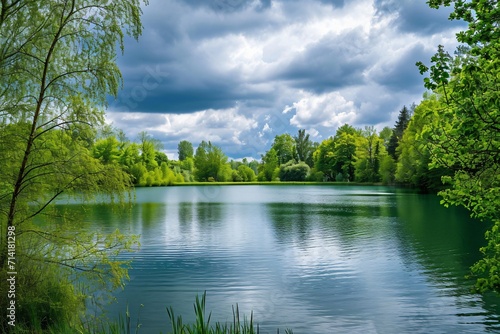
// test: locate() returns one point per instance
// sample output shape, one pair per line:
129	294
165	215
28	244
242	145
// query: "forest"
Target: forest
57	73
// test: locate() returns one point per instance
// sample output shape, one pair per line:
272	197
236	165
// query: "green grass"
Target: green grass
125	324
202	324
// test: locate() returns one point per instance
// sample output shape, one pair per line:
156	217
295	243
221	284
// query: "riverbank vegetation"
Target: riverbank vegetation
57	69
365	155
56	74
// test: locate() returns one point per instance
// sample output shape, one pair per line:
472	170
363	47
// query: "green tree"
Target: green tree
292	171
387	169
414	152
161	157
247	174
209	163
129	155
304	148
185	150
344	152
397	133
149	147
284	145
107	150
254	165
369	150
268	166
467	138
57	69
187	165
386	135
324	159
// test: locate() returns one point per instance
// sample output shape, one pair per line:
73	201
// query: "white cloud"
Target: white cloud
329	110
226	74
221	127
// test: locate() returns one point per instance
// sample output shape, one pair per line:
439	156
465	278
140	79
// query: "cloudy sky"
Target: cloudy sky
239	72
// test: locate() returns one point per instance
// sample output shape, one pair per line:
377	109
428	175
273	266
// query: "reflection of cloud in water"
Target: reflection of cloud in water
315	259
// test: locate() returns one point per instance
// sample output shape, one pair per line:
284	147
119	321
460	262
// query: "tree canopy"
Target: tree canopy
466	140
57	69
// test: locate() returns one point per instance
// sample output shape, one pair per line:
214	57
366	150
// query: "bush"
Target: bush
294	172
44	298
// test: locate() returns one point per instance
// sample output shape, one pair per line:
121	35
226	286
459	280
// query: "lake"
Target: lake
316	259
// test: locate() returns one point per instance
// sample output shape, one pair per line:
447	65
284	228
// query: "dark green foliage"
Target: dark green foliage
414	151
397	132
324	159
160	158
292	171
304	148
466	140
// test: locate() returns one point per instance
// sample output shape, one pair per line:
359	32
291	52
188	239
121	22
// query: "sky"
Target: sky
239	72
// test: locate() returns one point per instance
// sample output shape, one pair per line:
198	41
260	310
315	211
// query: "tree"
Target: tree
334	157
414	152
324	159
397	133
185	150
149	147
292	171
107	150
209	162
268	166
344	152
304	147
466	140
57	69
369	151
284	145
247	174
386	135
160	158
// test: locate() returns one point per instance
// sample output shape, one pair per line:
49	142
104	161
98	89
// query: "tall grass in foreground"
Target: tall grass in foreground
125	325
201	326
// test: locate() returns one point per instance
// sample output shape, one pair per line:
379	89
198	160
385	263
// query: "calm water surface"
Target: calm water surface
316	259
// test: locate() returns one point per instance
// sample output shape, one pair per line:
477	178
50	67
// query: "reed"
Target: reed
202	324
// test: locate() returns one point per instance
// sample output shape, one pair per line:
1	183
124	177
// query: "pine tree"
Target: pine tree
397	132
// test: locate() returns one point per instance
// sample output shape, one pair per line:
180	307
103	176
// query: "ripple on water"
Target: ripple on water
315	259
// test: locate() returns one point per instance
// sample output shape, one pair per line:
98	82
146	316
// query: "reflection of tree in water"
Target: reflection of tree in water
445	242
203	214
208	214
99	215
290	221
453	237
152	214
345	221
185	213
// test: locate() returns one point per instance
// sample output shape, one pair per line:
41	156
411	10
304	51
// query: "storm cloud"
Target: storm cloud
225	70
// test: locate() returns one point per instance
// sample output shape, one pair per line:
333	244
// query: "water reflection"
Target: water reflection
316	259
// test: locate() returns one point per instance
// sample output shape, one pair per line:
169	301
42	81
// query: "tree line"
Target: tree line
351	155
